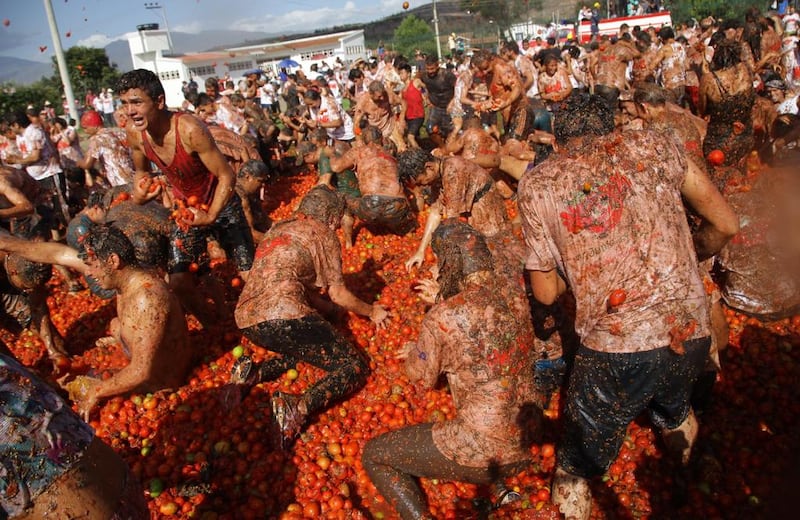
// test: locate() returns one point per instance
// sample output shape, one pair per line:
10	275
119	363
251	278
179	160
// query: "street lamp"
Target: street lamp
156	5
436	30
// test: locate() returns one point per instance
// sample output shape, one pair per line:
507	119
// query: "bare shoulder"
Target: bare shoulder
194	132
148	289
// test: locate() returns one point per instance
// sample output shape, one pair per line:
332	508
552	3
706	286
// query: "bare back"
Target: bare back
152	324
376	171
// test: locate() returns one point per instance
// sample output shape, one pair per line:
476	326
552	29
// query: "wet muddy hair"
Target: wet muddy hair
584	114
411	163
312	94
371	134
481	57
511	46
255	168
323	204
727	53
150	248
103	240
141	79
27	275
96	199
460	251
651	94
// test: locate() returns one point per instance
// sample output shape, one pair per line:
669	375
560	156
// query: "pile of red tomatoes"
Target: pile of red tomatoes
203	452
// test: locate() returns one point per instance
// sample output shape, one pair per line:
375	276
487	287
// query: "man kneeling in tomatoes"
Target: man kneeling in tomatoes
473	337
297	258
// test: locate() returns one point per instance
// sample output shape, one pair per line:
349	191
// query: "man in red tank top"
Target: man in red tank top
182	148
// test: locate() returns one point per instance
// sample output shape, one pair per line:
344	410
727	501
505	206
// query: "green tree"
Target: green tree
686	10
88	68
413	34
17	97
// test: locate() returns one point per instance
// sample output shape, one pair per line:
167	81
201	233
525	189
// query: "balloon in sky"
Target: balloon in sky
405	5
69	33
6	22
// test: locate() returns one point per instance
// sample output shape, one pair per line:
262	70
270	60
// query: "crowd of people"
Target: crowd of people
604	149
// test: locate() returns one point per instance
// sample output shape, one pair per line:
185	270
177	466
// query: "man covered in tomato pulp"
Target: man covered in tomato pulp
298	258
473	337
605	218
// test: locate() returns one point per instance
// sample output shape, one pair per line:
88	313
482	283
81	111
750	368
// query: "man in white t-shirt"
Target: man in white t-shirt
268	94
39	156
107	99
791	22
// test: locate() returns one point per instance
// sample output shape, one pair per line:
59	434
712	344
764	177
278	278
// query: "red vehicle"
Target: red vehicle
610	26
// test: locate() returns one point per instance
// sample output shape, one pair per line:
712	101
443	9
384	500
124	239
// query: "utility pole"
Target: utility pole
156	5
62	62
436	30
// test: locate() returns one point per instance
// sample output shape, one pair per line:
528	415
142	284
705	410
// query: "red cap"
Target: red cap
91	118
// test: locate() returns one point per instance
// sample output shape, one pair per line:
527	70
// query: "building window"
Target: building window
240	65
171	74
205	70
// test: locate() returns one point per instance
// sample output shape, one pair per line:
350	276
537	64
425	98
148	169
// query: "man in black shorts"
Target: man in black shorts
382	205
181	146
607	220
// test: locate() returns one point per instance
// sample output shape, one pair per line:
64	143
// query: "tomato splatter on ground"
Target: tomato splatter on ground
198	457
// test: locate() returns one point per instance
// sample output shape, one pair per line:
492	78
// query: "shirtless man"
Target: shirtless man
18	195
467	190
506	94
150	324
524	65
298	258
671	57
379	108
474	143
641	71
250	180
382	202
108	151
183	149
610	66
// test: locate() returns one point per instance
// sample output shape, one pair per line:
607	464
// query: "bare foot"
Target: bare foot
572	495
679	441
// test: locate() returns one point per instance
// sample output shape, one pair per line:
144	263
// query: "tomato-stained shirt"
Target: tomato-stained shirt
606	212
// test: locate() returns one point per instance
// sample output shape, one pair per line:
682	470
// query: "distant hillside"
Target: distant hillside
23	72
451	19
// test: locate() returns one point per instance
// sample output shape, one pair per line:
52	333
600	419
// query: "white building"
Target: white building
150	49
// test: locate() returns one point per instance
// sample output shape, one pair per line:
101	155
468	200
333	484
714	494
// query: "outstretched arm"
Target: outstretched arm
43	252
20	205
341	295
